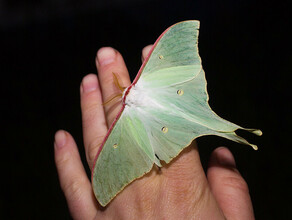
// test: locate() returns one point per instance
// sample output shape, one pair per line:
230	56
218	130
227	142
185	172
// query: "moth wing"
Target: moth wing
177	114
126	156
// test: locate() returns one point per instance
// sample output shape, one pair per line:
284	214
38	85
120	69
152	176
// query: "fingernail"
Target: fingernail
105	56
225	158
60	139
89	83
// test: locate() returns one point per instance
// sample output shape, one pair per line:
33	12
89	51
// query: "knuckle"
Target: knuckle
89	109
109	80
237	183
63	159
90	104
73	189
92	149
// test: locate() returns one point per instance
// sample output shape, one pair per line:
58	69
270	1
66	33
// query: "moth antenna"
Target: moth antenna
111	99
116	81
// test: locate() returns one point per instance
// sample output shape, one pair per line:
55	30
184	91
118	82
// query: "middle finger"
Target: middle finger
108	63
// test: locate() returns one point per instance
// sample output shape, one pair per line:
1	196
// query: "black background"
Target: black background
48	46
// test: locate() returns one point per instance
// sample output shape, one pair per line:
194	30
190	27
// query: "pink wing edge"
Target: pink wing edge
127	91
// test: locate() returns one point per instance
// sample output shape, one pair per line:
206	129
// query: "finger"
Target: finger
110	61
73	179
228	186
93	117
145	52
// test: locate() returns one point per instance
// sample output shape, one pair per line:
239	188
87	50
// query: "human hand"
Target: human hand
179	190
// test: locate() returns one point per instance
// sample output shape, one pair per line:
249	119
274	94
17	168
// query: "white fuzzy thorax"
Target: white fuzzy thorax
136	97
139	97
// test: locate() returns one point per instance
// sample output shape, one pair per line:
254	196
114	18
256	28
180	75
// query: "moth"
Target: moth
163	111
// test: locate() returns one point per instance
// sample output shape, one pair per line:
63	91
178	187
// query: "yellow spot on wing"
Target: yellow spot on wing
164	129
180	92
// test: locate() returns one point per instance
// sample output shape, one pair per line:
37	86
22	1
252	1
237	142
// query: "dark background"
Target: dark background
47	47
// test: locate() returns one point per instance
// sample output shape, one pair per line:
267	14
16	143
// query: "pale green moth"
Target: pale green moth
164	110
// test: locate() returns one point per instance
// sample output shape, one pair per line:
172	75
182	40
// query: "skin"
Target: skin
180	190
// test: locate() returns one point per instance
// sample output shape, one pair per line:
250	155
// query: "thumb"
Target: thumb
228	187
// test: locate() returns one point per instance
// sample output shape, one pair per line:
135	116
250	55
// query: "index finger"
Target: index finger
93	118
